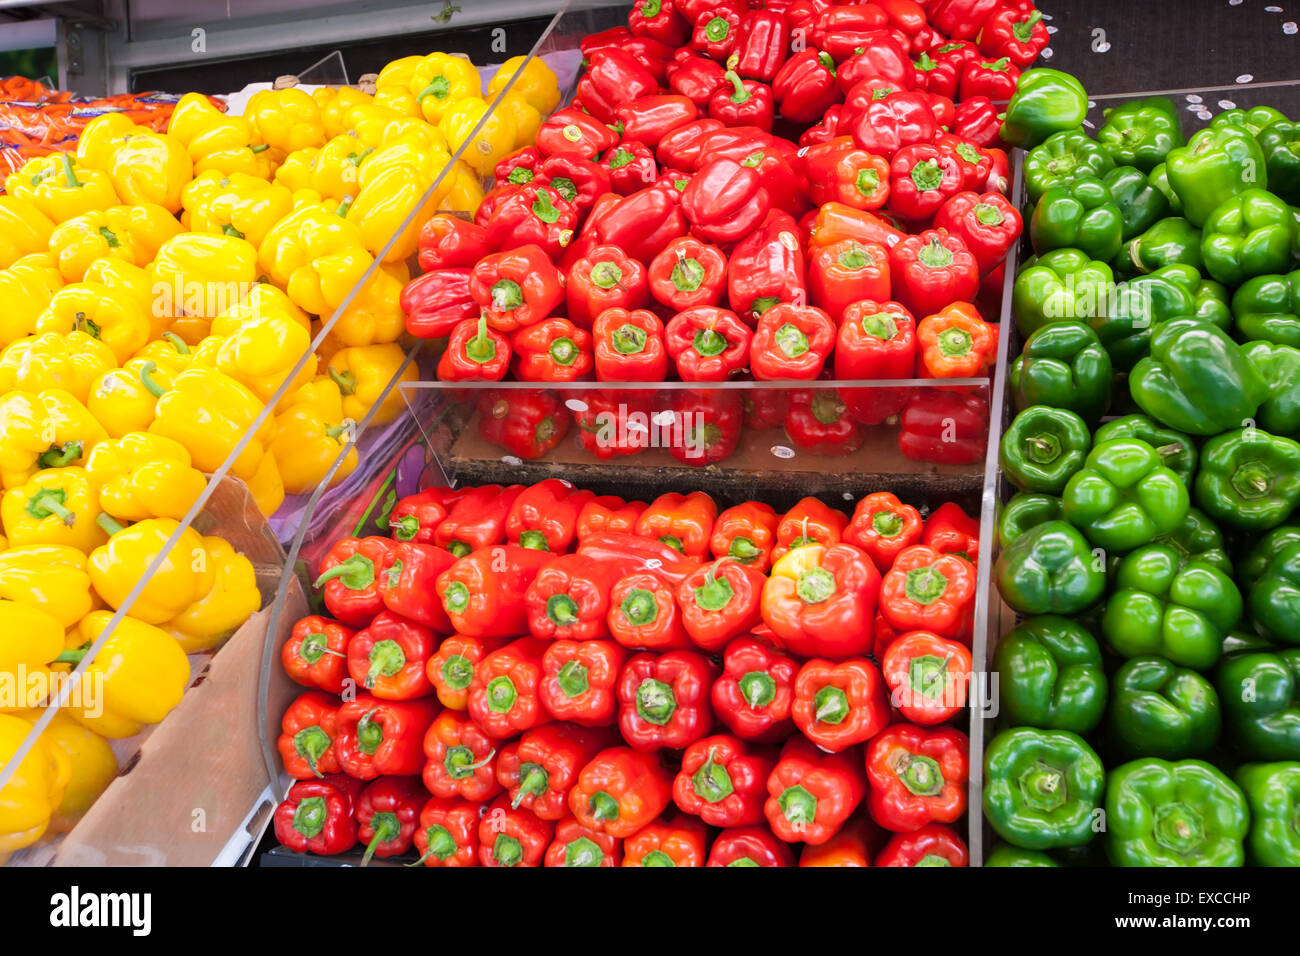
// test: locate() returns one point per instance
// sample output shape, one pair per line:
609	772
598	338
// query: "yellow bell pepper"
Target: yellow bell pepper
30	640
26	288
219	143
466	193
439	81
210	620
110	316
375	315
151	168
336	106
55	186
131	280
310	432
266	487
379	127
141	476
201	275
486	147
362	374
295	172
125	400
316	255
130	233
51	578
71	361
234	204
334	171
169	352
141	672
398	99
101	138
262	352
398	72
183	577
208	413
93	766
286	119
389	197
55	506
33	794
262	299
38	430
536	82
24	230
527	120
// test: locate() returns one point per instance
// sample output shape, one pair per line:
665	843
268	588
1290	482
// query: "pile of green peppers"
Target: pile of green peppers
1150	693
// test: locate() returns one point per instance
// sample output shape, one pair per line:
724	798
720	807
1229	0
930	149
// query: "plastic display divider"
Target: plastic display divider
75	676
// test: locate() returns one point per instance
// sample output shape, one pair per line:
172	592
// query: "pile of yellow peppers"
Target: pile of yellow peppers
159	288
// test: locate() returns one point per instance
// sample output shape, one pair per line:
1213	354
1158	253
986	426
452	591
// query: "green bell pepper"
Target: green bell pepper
1160	180
1279	367
1181	813
1273	601
1255	562
1045	102
1026	510
1249	479
1049	569
1268	307
1253	121
1123	496
1177	452
1080	214
1063	365
1260	692
1043	447
1214	166
1141	205
1062	158
1249	234
1007	855
1160	710
1062	284
1172	240
1138	307
1273	792
1050	675
1141	132
1211	304
1239	640
1161	606
1196	379
1042	788
1197	538
1281	145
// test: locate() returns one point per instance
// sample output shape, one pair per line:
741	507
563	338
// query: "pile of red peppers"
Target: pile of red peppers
765	189
543	676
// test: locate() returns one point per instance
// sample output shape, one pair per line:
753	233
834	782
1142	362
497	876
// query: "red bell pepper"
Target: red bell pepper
517	288
534	215
931	270
416	517
553	350
388	658
811	794
820	601
839	704
767	267
578	680
917	775
989	225
545	515
613	422
745	533
922	177
995	79
475	353
978	120
932	845
503	698
631	166
641	224
937	74
449	242
884	126
719	601
679	841
317	816
847	272
840	172
714	30
819	421
527	424
543	765
877	340
754	694
388	812
517	169
805	86
976	162
451	667
723	781
765	407
850	847
448	833
840	29
642	550
762	41
683	522
648	119
577	845
664	700
961	19
436	303
605	278
743	103
659	19
949	530
708	343
725	201
749	846
509	837
382	737
695	76
570	130
650	52
830	127
643	613
620	790
1016	34
955	343
629	346
406	584
580	182
688	273
810	521
683	146
477	519
350	576
316	653
569	598
792	342
613	77
882	57
773	159
705	427
928	676
483	592
608	513
944	427
460	759
927	590
883	526
307	732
